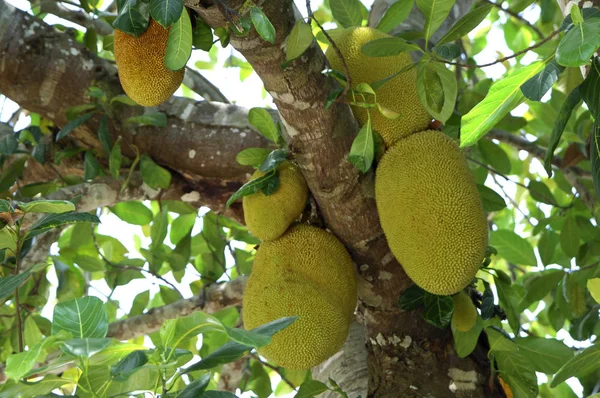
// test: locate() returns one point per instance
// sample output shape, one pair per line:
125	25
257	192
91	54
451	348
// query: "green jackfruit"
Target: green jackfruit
141	64
465	313
306	273
268	217
430	211
398	94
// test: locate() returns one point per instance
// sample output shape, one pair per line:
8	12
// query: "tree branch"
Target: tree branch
516	16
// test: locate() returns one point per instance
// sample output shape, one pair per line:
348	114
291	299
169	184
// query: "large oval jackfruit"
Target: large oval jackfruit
306	273
398	94
431	212
141	64
268	217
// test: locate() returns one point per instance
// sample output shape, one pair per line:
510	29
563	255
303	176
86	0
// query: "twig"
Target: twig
494	171
275	368
336	49
512	201
500	60
515	15
202	86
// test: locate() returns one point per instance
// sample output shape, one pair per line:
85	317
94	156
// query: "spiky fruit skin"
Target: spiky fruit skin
465	313
306	273
398	94
268	217
431	212
141	64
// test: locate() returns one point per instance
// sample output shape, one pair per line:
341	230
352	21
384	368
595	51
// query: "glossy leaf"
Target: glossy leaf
179	43
362	152
73	124
437	89
83	318
261	119
263	26
491	200
395	14
47	206
298	41
579	44
536	87
166	12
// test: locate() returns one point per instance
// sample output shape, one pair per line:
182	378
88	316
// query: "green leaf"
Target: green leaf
504	96
491	200
311	388
18	365
512	247
346	12
216	394
8	284
103	135
83	317
154	175
581	365
465	342
263	26
362	152
196	387
252	156
564	114
261	119
248	338
516	371
157	119
595	157
202	36
540	192
133	18
387	47
569	236
91	166
546	355
437	89
466	24
133	212
228	352
438	310
123	99
579	44
181	227
535	88
175	331
115	159
73	124
300	38
412	298
547	245
89	263
589	89
540	285
435	13
84	348
166	12
499	341
50	221
179	44
47	206
394	15
253	186
273	160
448	51
159	228
128	365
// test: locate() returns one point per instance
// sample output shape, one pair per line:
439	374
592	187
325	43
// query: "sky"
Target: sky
249	94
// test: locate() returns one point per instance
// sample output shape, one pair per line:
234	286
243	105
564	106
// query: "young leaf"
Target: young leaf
564	114
73	124
387	46
261	119
263	26
252	156
166	12
395	14
362	152
83	317
435	13
300	38
154	175
504	96
466	23
179	44
346	12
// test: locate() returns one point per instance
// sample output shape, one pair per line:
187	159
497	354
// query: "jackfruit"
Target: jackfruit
398	94
431	212
141	64
268	217
306	273
465	313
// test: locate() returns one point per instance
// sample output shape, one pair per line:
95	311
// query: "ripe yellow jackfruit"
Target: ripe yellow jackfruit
306	273
398	94
465	313
431	212
141	64
268	217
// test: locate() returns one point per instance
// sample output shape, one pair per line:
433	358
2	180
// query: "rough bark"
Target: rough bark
406	356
